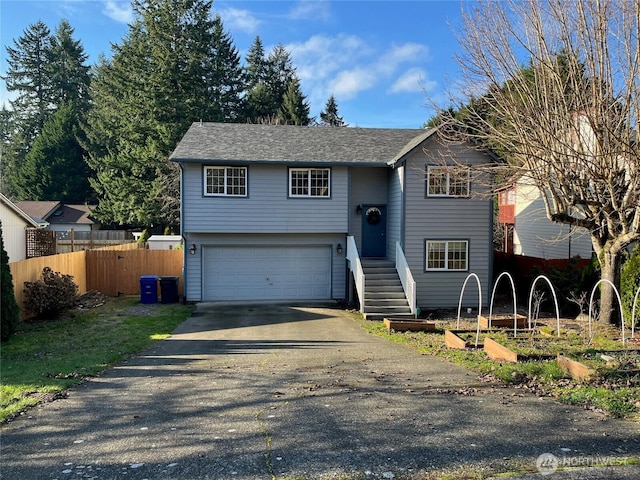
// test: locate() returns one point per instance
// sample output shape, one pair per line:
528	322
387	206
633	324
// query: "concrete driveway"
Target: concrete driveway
272	391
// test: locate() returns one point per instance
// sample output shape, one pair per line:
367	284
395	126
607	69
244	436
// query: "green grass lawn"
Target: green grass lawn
48	356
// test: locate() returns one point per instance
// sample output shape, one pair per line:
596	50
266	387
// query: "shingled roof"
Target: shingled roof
241	142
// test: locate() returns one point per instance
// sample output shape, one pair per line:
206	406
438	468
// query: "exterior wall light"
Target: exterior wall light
192	249
359	209
339	249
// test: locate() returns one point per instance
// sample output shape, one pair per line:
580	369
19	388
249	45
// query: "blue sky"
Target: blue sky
380	59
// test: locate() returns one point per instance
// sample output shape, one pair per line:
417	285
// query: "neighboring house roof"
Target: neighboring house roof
38	210
56	213
21	213
80	214
242	142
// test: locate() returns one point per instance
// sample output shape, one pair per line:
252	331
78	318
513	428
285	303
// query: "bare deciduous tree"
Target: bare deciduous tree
554	87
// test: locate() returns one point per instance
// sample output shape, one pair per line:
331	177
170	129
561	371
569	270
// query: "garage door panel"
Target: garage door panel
267	273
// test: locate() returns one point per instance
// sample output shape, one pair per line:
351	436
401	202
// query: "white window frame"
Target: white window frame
228	176
447	244
449	182
309	180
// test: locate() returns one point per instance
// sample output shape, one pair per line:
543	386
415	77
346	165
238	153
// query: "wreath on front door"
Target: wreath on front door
373	215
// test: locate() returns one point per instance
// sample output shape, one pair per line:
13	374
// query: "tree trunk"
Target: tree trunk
610	270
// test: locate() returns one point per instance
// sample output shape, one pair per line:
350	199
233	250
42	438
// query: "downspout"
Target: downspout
184	239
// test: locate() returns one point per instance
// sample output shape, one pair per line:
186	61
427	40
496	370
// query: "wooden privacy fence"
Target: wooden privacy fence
112	272
118	272
30	270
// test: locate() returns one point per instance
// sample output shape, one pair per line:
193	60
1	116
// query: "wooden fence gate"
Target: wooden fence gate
118	272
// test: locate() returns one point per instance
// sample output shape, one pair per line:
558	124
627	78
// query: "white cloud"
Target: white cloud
399	54
413	80
119	11
237	19
311	10
346	65
347	84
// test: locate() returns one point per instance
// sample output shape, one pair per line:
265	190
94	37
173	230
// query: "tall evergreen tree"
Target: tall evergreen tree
329	116
267	80
54	168
46	71
280	72
68	73
227	83
294	109
158	81
28	75
255	64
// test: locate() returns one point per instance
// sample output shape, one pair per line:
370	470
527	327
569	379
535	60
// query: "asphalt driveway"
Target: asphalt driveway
272	391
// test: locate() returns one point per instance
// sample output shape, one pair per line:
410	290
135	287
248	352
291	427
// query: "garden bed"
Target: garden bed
405	325
463	339
502	320
529	346
592	363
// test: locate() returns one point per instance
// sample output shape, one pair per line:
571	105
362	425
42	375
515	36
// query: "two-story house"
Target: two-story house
528	230
306	213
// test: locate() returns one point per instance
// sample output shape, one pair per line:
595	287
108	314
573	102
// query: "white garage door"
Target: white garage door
267	273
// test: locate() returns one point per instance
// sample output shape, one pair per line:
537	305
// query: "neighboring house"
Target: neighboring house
15	223
303	213
529	231
61	217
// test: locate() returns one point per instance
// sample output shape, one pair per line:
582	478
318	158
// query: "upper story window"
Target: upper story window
225	181
447	182
309	182
447	255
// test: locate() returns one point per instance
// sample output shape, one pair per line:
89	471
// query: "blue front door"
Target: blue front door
374	231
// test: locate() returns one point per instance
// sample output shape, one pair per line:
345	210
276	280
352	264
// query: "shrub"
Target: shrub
50	295
9	311
144	237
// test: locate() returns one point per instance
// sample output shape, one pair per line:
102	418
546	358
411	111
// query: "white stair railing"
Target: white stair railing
355	265
408	283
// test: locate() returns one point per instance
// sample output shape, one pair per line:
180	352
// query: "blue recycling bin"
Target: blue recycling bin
149	289
169	289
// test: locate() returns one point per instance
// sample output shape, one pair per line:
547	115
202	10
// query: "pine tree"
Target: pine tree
280	72
329	116
9	310
227	84
294	109
54	168
68	72
159	80
255	69
28	75
47	71
267	80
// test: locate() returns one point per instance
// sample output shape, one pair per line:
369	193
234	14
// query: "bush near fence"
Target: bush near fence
109	270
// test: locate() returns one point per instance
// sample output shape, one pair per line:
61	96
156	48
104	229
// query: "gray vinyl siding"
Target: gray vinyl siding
395	212
435	218
194	263
267	208
368	187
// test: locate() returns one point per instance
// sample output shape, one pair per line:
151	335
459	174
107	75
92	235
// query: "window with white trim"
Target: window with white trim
447	255
225	181
447	182
309	182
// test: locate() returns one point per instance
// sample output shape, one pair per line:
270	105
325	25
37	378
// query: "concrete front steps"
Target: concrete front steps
384	296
